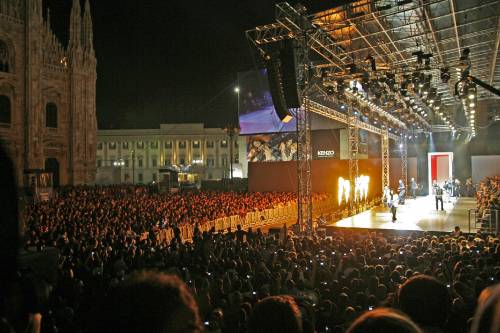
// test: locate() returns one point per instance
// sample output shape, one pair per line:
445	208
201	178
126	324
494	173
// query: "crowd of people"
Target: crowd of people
107	277
329	282
86	266
488	200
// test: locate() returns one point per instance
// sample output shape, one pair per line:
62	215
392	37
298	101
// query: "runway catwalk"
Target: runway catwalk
417	214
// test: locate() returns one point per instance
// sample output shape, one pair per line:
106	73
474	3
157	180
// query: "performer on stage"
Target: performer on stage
458	188
386	196
393	204
439	196
401	192
414	188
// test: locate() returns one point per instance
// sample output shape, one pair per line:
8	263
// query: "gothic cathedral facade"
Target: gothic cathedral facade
47	93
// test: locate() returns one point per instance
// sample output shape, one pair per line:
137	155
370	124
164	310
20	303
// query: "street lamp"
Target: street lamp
231	130
133	167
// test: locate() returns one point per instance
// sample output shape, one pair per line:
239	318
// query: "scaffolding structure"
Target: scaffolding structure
404	159
353	139
304	150
384	140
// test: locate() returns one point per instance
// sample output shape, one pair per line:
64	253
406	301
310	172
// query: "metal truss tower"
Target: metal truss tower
304	146
385	159
304	189
403	146
353	137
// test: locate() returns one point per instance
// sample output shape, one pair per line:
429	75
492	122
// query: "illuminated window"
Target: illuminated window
168	145
223	144
125	145
182	144
140	145
224	160
112	145
196	144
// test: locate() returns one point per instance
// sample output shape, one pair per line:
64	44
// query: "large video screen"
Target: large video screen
256	110
272	147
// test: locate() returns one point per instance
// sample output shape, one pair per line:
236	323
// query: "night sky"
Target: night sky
168	61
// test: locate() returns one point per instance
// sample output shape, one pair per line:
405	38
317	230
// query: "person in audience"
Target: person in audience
276	314
487	317
383	320
426	301
456	232
149	302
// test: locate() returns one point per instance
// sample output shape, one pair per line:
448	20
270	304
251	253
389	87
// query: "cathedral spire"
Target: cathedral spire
88	35
75	26
48	17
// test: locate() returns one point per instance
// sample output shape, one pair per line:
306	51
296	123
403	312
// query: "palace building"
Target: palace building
137	155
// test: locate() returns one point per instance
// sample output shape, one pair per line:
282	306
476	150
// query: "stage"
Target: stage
416	214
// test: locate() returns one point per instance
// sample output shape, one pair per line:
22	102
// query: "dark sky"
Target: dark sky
168	61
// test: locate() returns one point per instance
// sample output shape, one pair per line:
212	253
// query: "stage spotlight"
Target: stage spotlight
329	90
420	56
445	74
340	86
371	60
352	68
465	54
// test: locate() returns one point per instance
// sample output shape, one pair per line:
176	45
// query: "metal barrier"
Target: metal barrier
254	219
489	221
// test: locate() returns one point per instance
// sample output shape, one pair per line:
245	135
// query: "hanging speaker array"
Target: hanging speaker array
281	73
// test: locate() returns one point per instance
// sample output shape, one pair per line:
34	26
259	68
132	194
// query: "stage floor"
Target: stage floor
416	214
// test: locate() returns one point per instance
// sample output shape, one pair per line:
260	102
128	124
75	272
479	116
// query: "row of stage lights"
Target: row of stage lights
467	91
404	96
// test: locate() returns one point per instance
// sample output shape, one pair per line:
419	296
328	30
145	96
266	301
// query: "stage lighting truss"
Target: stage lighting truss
401	38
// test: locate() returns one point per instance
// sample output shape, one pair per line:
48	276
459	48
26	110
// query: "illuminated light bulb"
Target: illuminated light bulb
471	96
472	105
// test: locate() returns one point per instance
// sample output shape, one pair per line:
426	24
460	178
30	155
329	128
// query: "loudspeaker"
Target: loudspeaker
273	66
288	74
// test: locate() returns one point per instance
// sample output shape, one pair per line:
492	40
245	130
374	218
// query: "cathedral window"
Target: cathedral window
4	57
51	115
5	113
